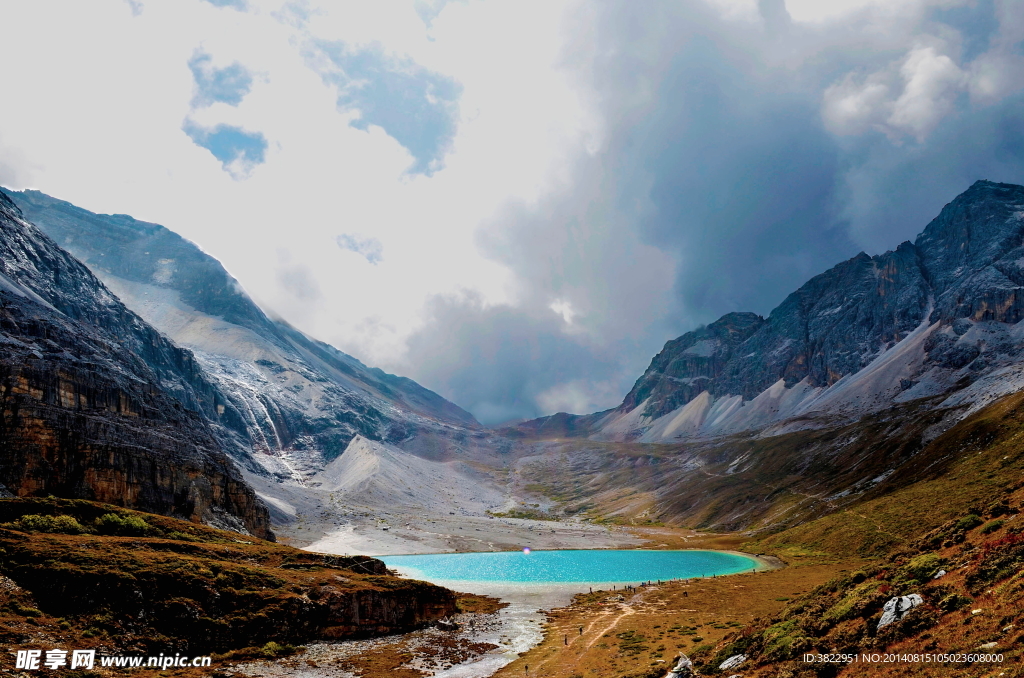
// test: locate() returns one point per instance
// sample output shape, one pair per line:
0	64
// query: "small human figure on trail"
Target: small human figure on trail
581	630
565	639
686	594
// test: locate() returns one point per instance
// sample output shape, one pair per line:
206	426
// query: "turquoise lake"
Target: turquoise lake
598	566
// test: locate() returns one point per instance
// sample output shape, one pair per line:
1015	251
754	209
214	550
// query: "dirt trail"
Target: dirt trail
656	623
626	611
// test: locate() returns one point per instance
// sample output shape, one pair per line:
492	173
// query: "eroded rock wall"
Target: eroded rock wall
95	403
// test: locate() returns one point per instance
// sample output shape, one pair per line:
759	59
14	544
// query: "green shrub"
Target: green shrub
273	649
922	568
992	526
968	522
54	524
132	526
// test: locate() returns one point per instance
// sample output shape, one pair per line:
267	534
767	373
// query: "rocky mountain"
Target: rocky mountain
96	403
936	317
286	404
848	391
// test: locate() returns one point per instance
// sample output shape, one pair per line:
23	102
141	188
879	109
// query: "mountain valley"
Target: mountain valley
852	433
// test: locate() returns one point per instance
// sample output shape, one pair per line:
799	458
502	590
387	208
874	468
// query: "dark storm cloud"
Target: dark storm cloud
892	192
752	155
494	361
743	181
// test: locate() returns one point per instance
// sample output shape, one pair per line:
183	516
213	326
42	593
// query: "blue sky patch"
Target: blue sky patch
228	85
238	151
416	107
369	248
237	4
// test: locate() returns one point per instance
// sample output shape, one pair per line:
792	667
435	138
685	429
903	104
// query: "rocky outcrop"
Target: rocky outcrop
687	366
933	317
682	669
732	662
97	404
175	586
965	265
286	403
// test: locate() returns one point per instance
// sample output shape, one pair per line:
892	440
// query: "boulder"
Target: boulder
732	662
897	608
682	669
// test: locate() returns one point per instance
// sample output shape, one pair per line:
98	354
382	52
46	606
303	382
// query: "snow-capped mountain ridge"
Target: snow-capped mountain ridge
96	404
290	403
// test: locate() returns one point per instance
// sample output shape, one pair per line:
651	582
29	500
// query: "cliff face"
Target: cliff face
96	403
287	403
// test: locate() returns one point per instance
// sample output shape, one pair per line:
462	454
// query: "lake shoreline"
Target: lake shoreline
503	637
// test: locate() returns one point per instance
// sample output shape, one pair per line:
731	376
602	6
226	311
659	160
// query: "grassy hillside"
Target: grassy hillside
84	574
962	517
744	482
922	501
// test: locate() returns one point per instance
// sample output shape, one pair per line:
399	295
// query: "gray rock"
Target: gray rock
732	662
897	608
682	669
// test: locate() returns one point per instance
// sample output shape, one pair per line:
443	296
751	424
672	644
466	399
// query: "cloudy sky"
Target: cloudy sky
515	203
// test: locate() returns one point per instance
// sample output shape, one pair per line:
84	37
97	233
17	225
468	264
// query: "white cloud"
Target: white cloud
853	106
932	82
104	95
823	11
564	309
578	397
908	97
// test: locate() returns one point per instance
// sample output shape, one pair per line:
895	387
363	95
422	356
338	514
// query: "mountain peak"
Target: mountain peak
966	267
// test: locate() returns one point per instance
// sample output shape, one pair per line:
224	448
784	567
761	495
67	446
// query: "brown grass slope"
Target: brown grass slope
80	573
961	514
743	482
